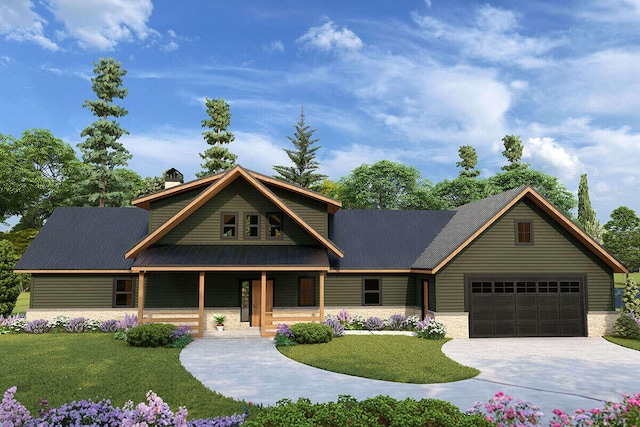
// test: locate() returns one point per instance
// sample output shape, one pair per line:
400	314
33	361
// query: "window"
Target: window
371	292
306	291
229	226
275	225
524	232
123	292
252	226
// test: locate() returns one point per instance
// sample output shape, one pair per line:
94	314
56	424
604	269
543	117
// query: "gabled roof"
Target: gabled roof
144	202
471	220
77	238
217	185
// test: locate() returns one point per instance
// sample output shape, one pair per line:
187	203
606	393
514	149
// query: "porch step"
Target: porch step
242	333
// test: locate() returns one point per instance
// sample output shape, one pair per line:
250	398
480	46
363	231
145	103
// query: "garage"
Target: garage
526	306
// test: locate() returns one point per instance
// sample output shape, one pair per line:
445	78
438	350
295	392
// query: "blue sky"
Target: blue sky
409	81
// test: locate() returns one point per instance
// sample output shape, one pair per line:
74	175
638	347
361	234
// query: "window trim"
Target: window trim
115	292
313	291
378	292
247	226
223	225
269	236
516	227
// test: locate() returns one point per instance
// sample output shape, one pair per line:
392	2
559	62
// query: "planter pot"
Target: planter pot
220	327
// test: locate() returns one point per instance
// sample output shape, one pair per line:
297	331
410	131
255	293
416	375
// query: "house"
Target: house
262	251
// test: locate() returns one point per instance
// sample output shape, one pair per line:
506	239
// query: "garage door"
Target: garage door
531	307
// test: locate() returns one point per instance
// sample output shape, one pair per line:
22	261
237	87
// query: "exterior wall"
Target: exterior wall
600	323
554	251
73	290
162	210
457	324
313	212
203	227
383	312
89	313
346	290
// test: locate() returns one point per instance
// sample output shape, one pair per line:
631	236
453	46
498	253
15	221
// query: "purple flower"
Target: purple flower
338	329
397	322
374	324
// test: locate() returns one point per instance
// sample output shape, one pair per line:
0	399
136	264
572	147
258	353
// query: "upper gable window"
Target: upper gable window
524	232
275	220
229	226
251	226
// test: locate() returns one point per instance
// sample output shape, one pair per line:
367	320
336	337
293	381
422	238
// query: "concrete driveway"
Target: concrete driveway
564	373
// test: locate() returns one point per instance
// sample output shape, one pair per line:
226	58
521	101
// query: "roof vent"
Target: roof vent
173	178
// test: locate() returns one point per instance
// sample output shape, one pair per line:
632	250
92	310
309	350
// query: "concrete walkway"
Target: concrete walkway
564	373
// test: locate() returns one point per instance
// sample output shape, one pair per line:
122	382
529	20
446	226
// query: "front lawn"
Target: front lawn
625	342
65	367
384	357
22	303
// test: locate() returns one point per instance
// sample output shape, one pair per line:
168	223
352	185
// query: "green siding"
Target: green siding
204	225
162	210
72	291
313	212
554	251
346	290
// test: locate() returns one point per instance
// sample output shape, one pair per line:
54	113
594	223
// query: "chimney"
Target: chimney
173	178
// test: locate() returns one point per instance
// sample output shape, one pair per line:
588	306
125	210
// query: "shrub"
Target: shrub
39	326
397	322
77	325
412	322
109	326
626	327
631	297
433	330
284	336
150	335
358	321
502	410
180	337
58	323
12	324
311	333
336	326
374	324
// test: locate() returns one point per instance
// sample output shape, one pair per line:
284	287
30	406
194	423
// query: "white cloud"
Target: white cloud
103	24
551	155
611	11
169	47
19	22
275	47
329	38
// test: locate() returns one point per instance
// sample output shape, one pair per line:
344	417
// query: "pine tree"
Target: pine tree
102	152
468	161
586	214
9	281
513	153
303	171
217	158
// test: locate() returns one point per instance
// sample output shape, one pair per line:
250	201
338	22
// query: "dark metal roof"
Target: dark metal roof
80	238
384	239
467	220
233	256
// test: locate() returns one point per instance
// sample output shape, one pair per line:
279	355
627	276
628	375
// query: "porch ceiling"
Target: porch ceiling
232	256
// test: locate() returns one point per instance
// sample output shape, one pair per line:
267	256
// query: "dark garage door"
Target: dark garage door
531	307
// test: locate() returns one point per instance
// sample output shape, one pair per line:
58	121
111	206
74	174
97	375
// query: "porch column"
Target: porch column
322	296
140	296
201	305
263	299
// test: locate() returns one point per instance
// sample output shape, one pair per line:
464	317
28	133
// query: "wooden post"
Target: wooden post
201	306
263	300
140	296
322	296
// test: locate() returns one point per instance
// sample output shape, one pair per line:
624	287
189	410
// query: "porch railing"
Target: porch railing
189	318
273	319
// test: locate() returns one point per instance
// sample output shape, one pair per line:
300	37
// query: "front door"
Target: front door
256	291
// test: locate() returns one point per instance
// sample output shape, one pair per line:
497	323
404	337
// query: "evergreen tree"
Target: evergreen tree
217	158
303	157
102	151
468	161
586	214
9	281
513	153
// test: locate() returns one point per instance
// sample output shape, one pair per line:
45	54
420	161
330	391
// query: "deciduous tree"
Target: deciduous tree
102	151
468	161
9	281
622	237
463	190
217	157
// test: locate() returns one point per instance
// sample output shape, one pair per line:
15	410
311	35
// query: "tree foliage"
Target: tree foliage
463	190
586	214
101	151
9	281
468	161
513	152
622	237
386	185
630	299
303	172
217	157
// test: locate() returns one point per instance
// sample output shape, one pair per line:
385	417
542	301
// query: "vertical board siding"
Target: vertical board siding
313	212
72	291
203	226
346	290
554	251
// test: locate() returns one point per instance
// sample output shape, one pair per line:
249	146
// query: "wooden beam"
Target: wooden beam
140	296
322	296
201	306
263	300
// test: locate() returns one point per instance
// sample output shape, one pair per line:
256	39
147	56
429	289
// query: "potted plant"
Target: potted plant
219	318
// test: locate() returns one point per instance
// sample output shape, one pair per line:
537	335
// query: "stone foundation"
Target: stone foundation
457	324
89	313
600	323
383	312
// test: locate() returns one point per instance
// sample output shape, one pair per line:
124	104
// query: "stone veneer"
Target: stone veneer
600	323
377	311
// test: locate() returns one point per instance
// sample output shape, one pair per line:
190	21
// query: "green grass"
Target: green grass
619	279
65	367
22	303
625	342
392	358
